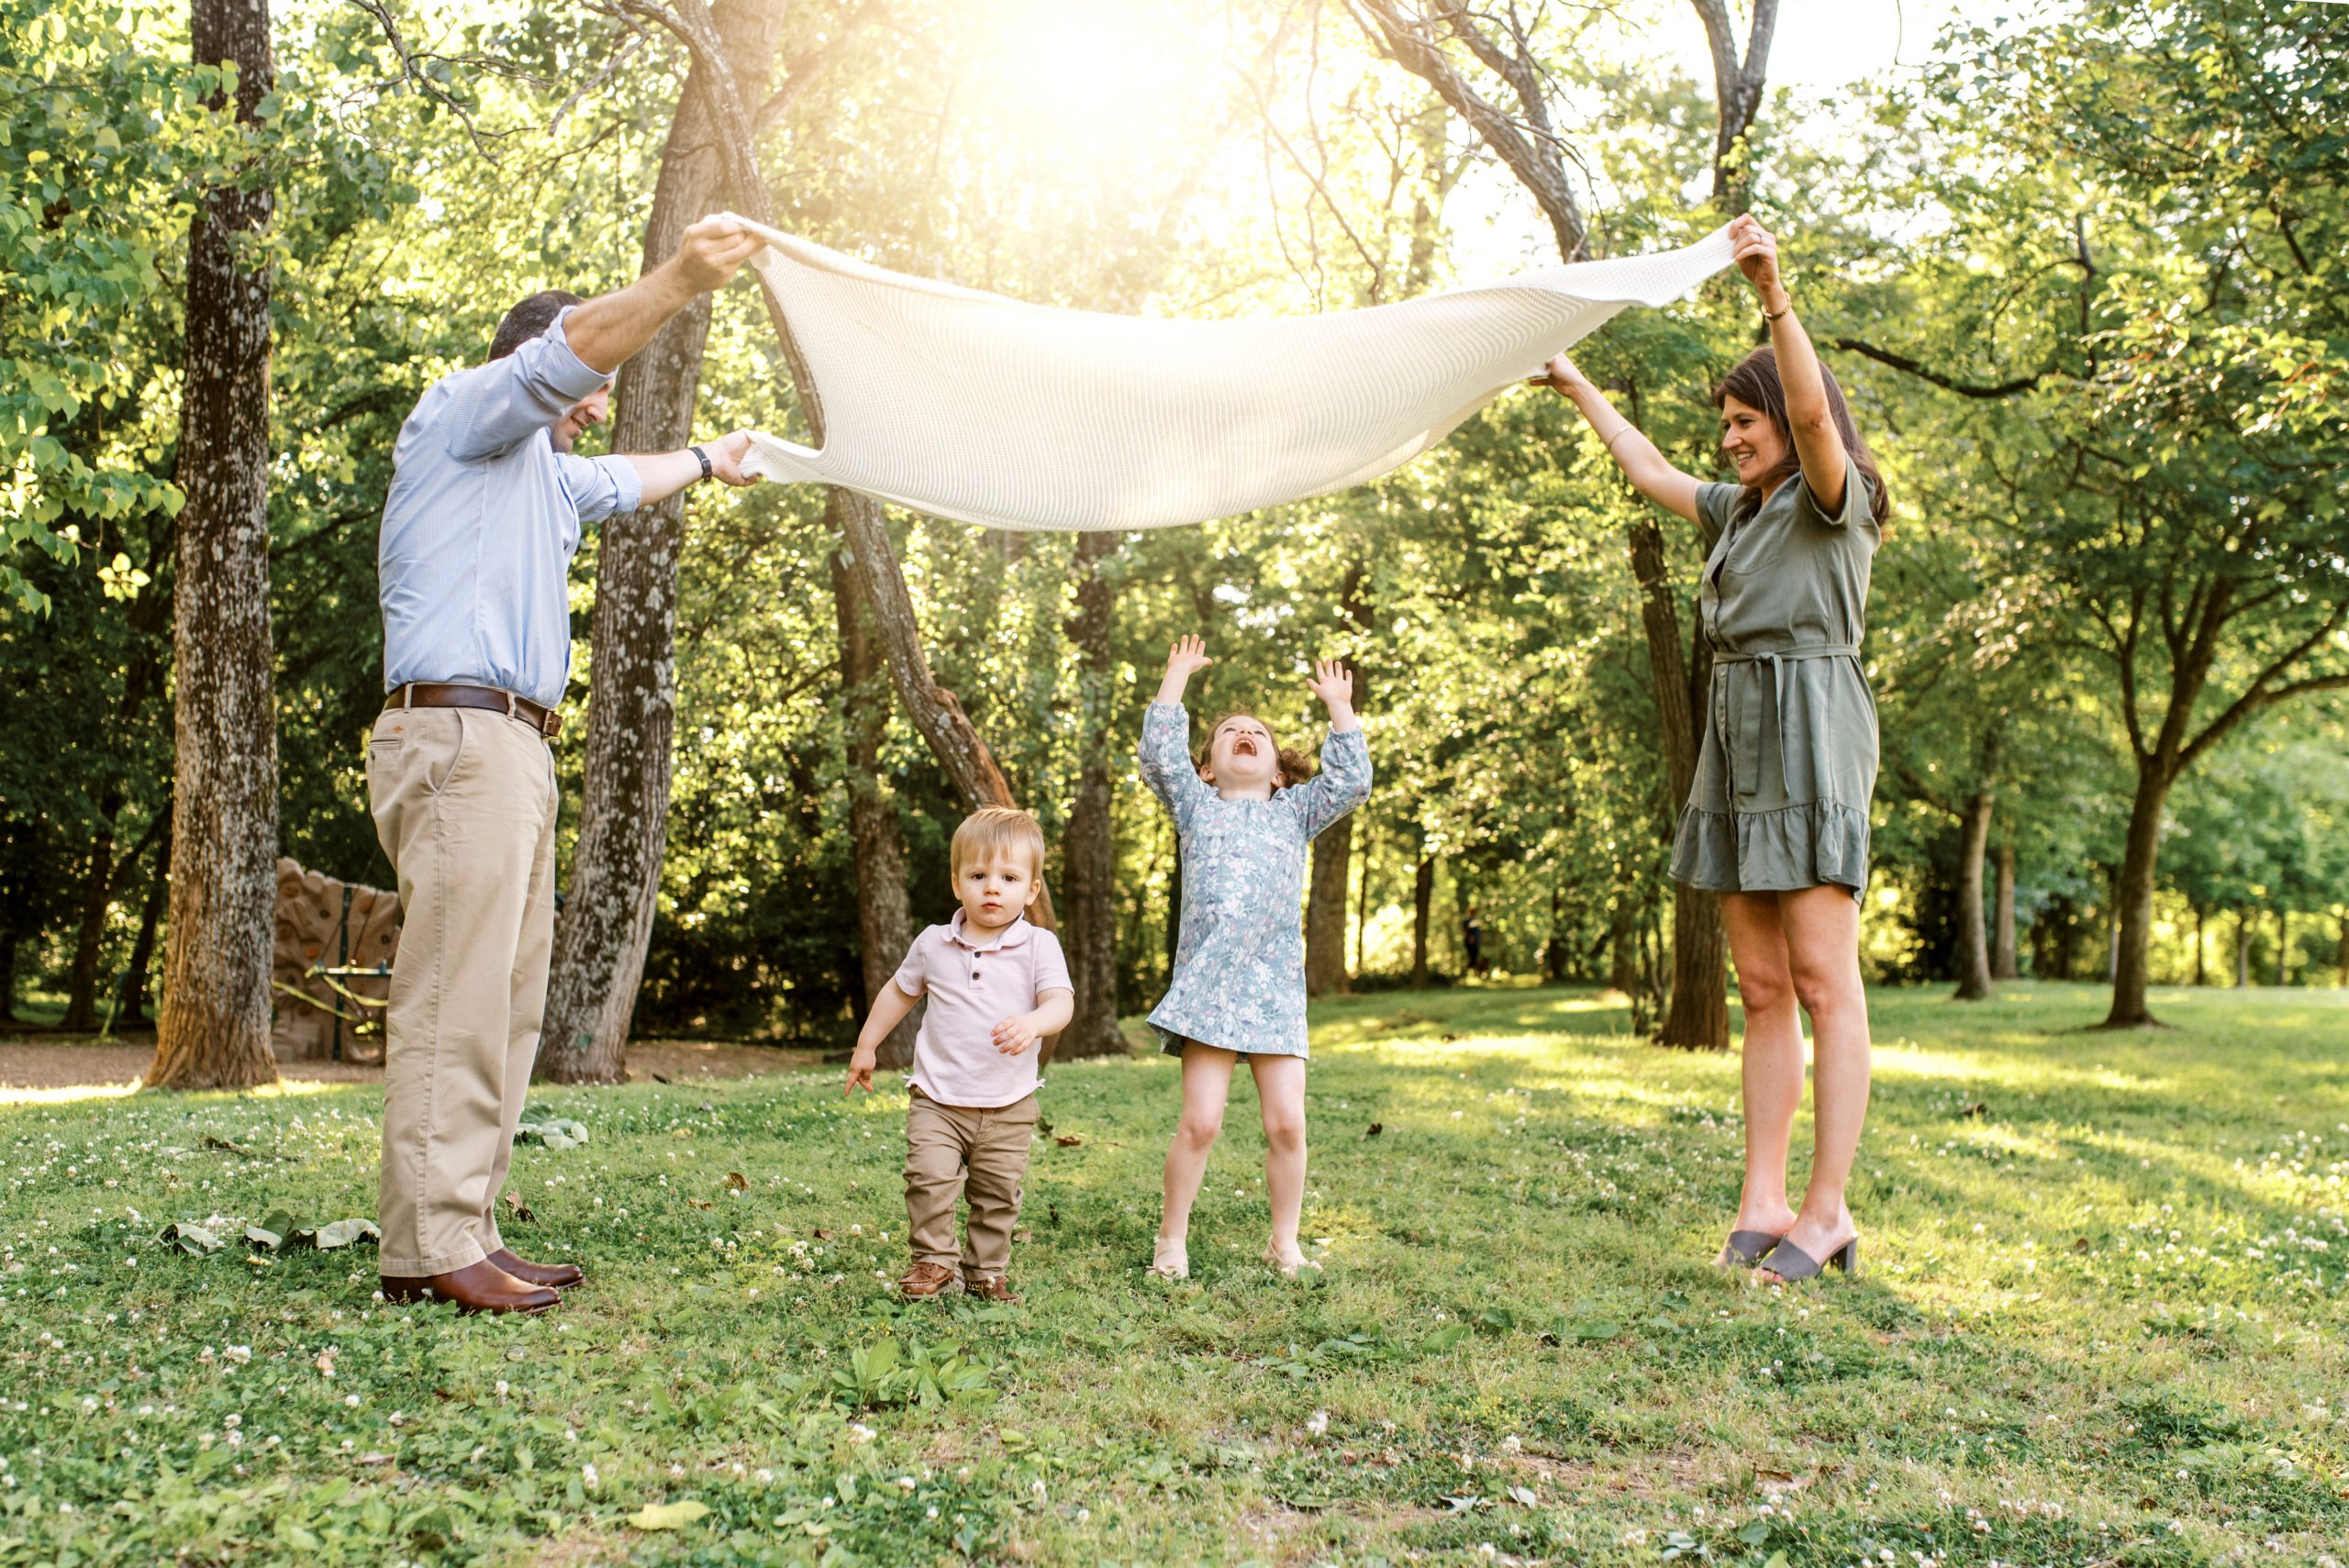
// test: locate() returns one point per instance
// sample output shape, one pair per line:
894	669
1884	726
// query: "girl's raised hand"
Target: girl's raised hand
1188	657
1333	683
1756	250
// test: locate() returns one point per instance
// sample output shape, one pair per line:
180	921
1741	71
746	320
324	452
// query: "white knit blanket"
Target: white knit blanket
970	406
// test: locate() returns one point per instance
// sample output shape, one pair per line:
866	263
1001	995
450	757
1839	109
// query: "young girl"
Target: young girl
1245	811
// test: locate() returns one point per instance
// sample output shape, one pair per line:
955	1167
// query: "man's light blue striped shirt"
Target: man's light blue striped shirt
483	519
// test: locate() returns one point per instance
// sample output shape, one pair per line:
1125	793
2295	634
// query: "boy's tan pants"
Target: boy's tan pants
952	1149
464	803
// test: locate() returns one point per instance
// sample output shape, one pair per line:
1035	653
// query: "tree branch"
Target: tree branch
1946	383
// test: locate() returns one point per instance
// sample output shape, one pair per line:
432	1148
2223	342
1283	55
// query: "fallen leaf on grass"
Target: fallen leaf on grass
1375	1128
339	1233
660	1077
701	1203
1466	1505
822	1235
1524	1495
191	1239
1069	1140
2080	1245
1977	1109
270	1233
1023	1234
520	1210
668	1515
738	1181
375	1459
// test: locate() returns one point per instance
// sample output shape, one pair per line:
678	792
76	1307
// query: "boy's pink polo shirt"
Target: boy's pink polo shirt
971	988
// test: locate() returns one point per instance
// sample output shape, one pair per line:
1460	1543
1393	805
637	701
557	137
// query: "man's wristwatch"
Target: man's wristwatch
703	458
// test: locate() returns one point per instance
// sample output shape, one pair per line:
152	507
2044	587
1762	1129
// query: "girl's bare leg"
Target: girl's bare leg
1207	1084
1280	1094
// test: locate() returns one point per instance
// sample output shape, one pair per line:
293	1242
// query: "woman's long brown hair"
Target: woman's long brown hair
1755	384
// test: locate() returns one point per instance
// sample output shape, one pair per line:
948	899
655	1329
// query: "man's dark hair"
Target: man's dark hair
530	319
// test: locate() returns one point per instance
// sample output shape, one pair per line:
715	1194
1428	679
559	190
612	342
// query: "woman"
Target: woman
1777	820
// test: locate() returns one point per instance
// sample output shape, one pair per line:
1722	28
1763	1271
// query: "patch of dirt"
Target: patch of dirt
59	1066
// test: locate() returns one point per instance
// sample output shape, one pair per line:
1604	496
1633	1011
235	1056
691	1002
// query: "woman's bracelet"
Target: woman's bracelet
1787	309
1617	436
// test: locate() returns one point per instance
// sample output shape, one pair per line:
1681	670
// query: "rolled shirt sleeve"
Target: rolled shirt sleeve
600	487
494	407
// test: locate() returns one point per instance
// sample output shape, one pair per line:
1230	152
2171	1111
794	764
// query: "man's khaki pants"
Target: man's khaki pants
464	803
954	1150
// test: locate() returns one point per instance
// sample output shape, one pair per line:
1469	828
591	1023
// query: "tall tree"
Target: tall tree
213	1030
1526	142
937	714
1737	95
2187	495
606	919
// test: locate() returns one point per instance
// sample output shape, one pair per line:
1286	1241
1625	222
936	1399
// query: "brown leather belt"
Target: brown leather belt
432	694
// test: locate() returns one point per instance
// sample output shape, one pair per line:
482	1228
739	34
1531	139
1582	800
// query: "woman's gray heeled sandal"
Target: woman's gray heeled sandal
1746	1248
1802	1265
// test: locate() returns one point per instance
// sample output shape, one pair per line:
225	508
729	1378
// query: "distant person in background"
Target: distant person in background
487	505
1776	820
1472	941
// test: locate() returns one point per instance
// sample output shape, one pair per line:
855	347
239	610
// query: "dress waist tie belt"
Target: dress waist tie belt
1749	731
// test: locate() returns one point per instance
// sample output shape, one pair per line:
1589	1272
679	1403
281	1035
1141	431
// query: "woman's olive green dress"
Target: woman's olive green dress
1780	800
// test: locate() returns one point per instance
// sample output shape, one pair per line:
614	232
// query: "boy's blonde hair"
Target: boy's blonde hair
993	830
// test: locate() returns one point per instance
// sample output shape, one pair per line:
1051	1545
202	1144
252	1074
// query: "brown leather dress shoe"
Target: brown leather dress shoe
926	1280
476	1287
990	1287
558	1277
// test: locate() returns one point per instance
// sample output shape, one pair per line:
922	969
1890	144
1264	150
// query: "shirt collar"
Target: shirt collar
1011	936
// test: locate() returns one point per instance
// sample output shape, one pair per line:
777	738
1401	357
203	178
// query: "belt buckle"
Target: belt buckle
553	724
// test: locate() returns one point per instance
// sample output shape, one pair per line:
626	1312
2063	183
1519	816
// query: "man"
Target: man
486	504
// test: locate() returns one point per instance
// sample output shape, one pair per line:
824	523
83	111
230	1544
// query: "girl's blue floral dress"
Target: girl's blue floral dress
1239	967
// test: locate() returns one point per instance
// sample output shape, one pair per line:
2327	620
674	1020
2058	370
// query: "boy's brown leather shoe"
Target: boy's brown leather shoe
988	1287
926	1280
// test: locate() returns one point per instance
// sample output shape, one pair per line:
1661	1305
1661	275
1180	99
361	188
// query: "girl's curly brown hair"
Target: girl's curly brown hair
1294	766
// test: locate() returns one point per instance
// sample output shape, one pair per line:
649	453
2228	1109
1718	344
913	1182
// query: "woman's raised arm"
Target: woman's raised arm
1650	474
1817	444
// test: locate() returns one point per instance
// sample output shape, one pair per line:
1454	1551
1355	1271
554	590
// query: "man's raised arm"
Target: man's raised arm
610	328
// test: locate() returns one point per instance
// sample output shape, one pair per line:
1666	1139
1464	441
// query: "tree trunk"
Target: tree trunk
1325	903
97	897
1623	945
1361	910
142	951
1422	905
2133	898
1737	92
2002	927
1325	911
1972	946
214	1027
936	714
10	940
2243	950
2283	947
2340	971
2201	950
1553	950
884	916
1697	1018
1089	851
606	923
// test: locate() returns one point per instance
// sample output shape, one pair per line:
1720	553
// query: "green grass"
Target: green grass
2101	1324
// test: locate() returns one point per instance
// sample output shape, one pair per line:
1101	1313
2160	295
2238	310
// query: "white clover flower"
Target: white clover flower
588	1477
